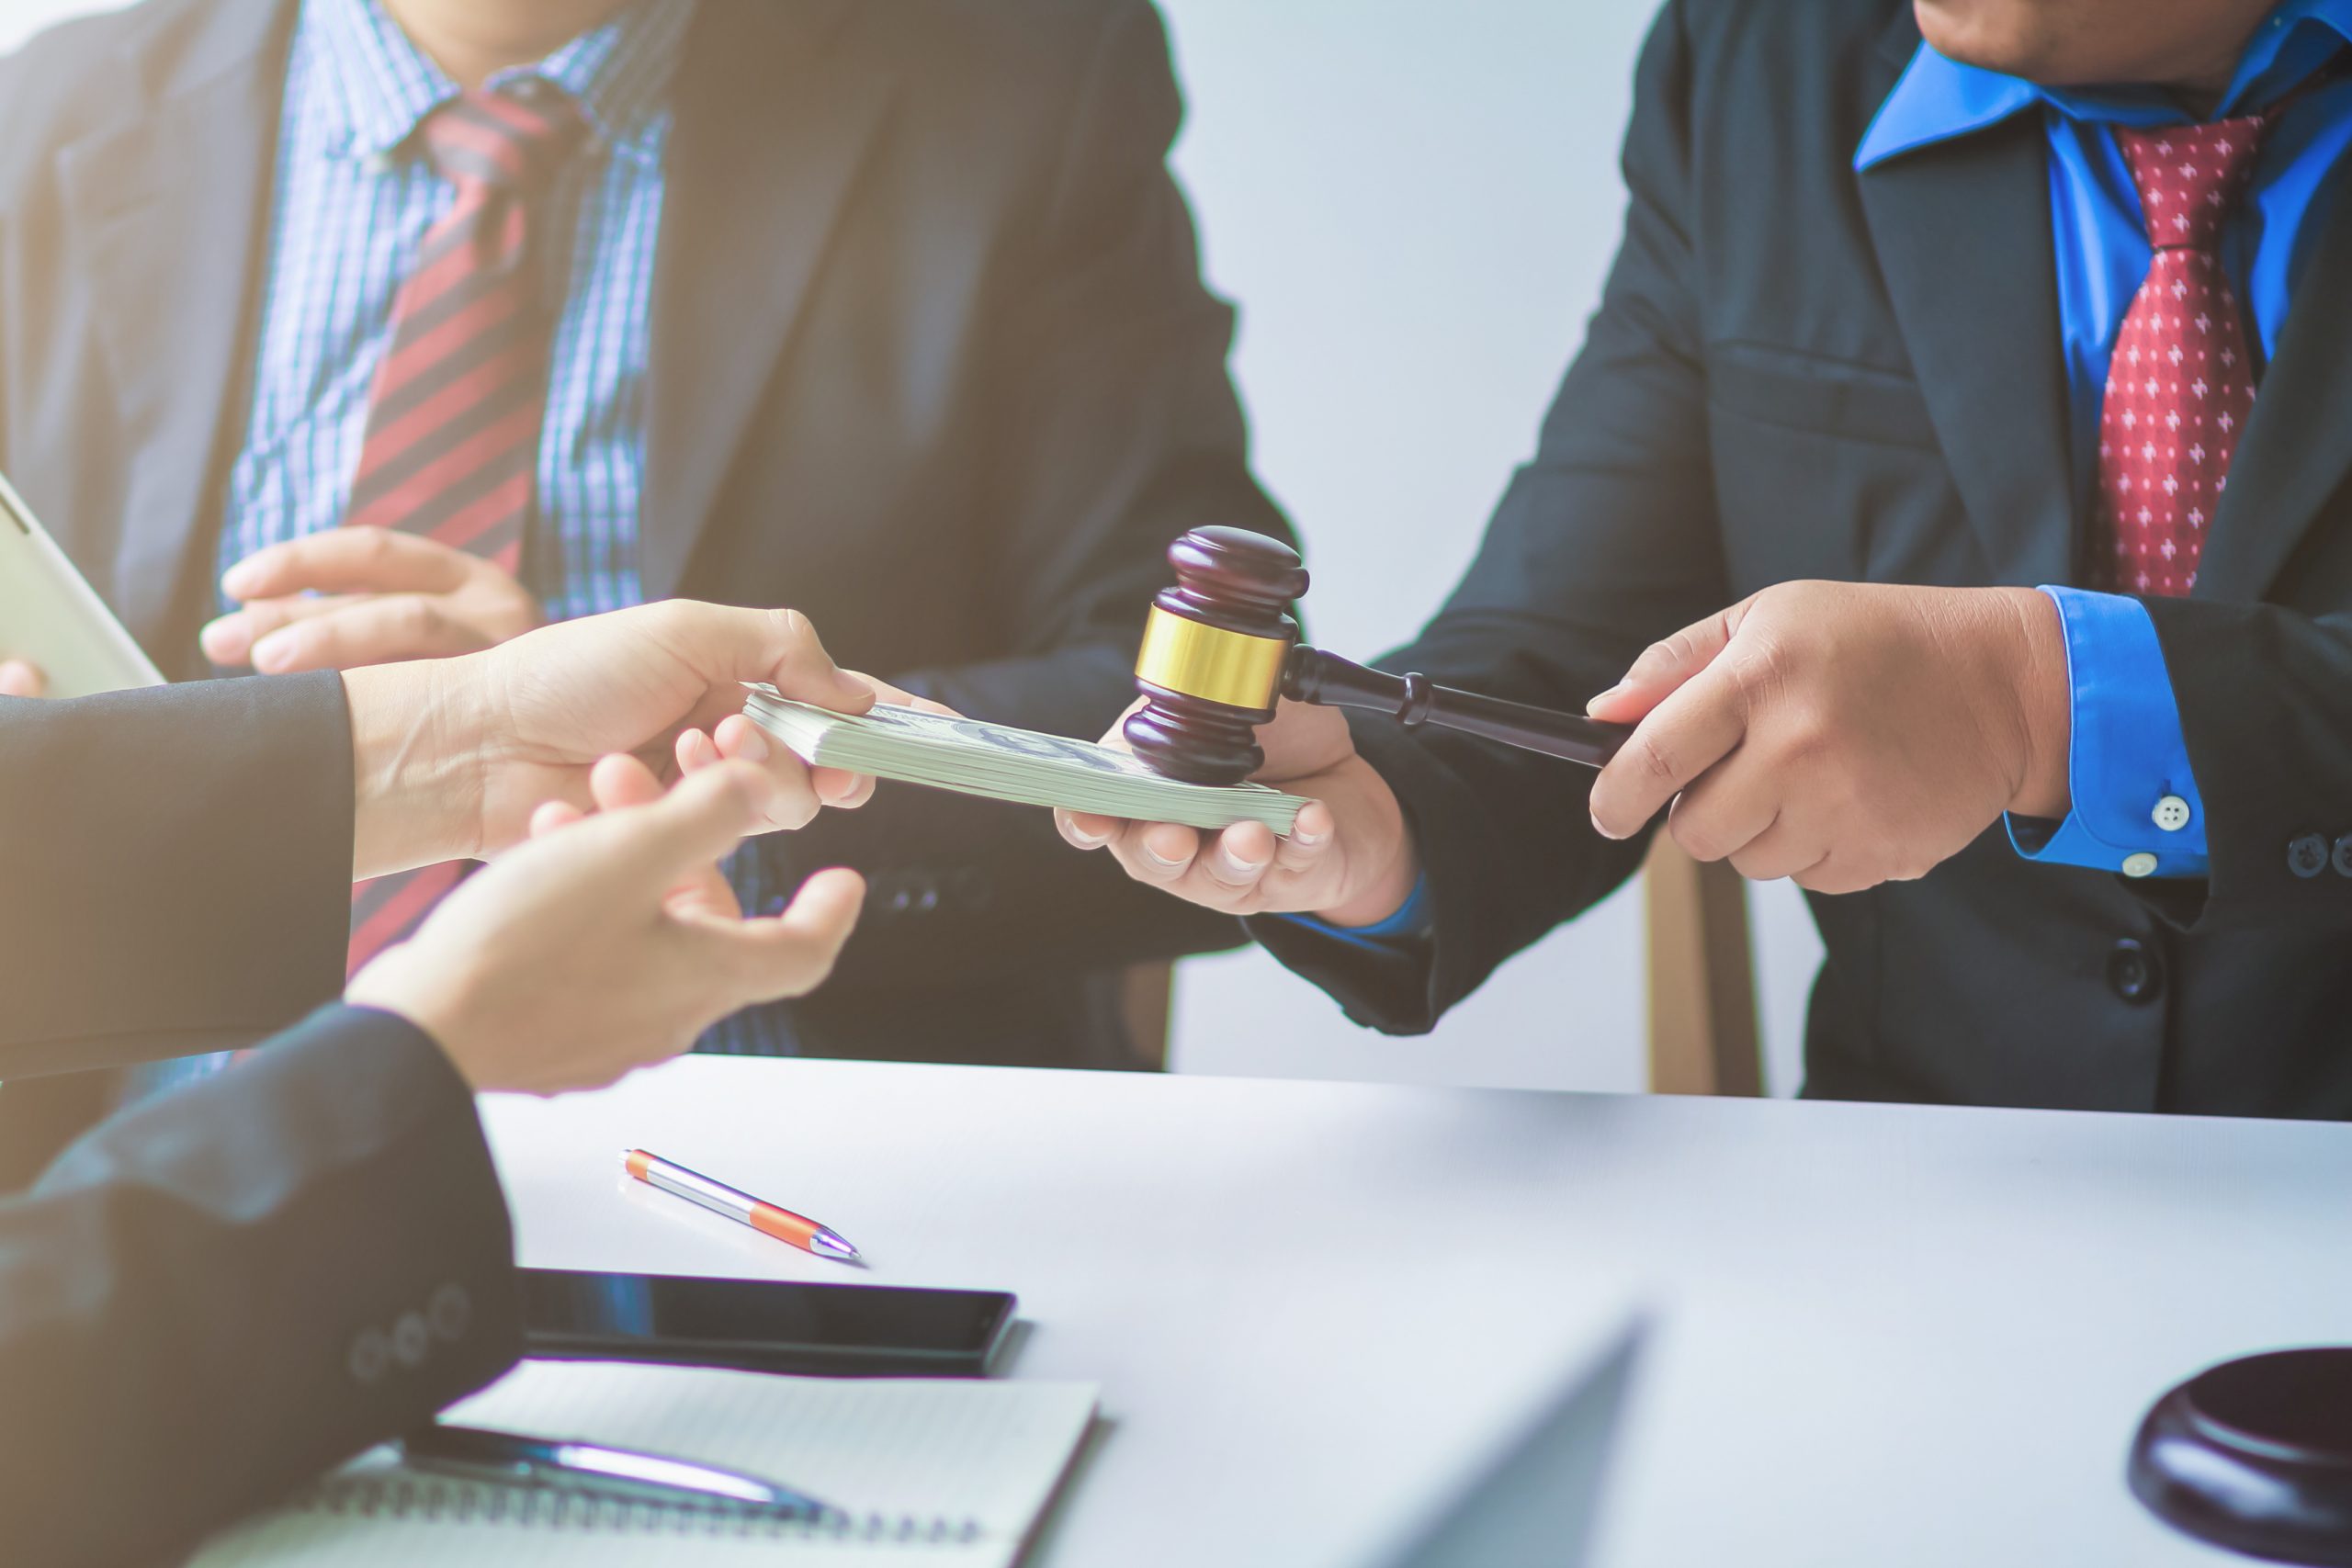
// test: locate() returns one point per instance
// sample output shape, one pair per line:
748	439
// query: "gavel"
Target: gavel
1220	646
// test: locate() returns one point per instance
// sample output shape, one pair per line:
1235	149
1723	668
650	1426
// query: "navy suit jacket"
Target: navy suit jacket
1799	371
931	361
208	1299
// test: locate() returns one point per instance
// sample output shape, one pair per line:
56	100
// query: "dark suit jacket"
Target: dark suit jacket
932	361
1798	371
211	1298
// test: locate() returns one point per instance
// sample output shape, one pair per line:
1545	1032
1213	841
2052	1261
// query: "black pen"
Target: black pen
591	1469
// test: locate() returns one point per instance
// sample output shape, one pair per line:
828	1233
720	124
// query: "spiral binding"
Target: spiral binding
403	1495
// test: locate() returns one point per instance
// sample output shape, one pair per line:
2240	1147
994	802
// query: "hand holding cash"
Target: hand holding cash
999	763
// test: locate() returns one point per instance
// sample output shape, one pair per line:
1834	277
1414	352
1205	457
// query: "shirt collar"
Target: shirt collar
1937	100
380	85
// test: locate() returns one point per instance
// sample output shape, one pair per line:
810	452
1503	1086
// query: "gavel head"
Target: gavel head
1213	649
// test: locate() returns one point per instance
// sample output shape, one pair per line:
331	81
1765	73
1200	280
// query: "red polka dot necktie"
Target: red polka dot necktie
452	445
2180	383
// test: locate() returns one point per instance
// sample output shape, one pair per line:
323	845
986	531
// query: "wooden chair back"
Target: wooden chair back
1704	1036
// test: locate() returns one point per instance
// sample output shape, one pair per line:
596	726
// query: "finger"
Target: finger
1681	739
1232	863
1309	840
1830	875
1719	816
20	679
1665	666
351	560
739	739
1781	850
1157	852
790	953
552	816
370	631
696	752
228	639
1083	829
620	781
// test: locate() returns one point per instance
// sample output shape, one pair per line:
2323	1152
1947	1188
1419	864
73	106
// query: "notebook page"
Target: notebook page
963	1467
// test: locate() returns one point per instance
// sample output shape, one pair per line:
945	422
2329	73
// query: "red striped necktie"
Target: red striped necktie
452	445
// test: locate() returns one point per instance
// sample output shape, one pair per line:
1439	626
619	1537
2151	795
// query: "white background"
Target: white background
1413	205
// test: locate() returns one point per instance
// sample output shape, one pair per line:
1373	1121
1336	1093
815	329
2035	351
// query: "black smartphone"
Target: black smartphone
762	1325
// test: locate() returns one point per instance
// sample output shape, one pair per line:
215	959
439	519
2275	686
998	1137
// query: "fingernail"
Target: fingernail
1081	835
753	746
1161	860
1305	839
1602	831
218	640
1595	702
1240	868
270	652
236	580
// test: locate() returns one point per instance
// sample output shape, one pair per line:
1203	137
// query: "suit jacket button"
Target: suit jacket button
2171	814
451	1312
2133	971
2342	859
410	1339
371	1355
2307	855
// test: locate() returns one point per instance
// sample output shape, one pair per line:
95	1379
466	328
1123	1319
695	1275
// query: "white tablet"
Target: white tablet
51	615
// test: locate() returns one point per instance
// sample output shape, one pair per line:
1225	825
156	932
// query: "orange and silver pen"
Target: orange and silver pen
716	1196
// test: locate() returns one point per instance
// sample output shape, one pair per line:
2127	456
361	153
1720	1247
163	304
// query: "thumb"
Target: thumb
724	645
795	663
1666	665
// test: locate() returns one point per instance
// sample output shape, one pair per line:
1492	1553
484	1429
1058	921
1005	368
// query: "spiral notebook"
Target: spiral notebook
954	1474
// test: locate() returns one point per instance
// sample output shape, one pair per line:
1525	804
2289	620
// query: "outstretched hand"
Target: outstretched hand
609	942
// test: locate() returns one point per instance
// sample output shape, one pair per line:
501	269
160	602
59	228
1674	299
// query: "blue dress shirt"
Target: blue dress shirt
2136	806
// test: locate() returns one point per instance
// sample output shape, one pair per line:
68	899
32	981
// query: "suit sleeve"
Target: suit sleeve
1605	541
175	868
2265	704
1115	428
210	1300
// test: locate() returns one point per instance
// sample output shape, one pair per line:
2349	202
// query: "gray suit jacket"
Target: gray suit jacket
931	360
209	1299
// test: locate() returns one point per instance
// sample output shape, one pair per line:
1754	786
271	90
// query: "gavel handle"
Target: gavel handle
1311	675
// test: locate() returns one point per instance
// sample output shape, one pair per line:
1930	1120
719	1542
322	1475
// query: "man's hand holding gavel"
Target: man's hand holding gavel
1838	734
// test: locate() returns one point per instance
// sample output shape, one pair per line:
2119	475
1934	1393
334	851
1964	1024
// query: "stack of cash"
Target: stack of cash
1002	763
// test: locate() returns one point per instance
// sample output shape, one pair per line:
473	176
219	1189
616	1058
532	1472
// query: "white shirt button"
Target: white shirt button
2142	864
2171	814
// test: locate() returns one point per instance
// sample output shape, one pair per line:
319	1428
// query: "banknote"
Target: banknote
1001	762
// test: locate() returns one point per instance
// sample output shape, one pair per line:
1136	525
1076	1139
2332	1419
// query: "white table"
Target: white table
1888	1335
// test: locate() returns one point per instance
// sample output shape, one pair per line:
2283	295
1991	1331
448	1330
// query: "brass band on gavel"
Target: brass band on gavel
1195	660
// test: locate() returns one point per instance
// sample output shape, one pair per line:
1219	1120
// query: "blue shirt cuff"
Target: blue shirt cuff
1409	925
2135	807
